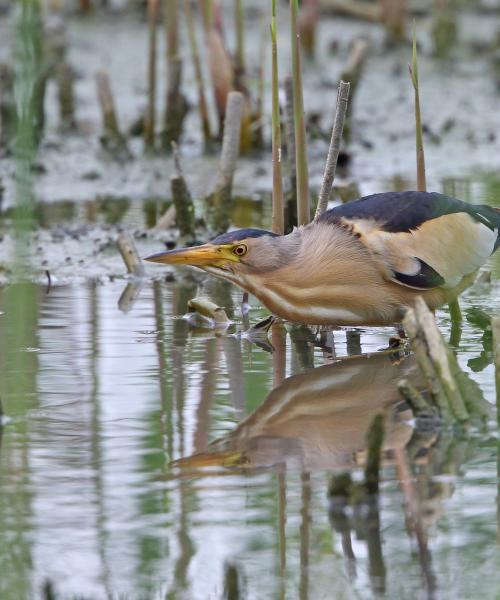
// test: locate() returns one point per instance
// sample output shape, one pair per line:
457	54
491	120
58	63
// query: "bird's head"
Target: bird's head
235	256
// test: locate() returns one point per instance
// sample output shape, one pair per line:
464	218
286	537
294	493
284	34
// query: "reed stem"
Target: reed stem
195	54
334	149
278	217
149	121
421	182
220	202
303	209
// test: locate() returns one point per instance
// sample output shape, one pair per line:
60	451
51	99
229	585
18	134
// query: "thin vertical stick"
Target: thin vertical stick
195	54
303	211
421	183
334	149
149	123
278	217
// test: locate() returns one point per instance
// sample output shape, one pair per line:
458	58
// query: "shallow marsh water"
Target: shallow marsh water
95	499
144	456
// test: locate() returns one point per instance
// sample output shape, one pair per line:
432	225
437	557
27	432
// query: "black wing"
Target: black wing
425	240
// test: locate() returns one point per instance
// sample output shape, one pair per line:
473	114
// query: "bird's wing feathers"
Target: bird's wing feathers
423	240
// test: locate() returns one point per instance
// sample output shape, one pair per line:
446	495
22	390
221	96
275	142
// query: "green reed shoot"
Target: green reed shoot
278	202
303	210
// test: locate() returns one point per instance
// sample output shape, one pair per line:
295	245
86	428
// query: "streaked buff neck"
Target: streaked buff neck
327	280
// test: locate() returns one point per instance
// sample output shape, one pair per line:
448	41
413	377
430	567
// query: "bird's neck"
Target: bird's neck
328	271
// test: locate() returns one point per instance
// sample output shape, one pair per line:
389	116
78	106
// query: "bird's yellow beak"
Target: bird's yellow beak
207	255
217	459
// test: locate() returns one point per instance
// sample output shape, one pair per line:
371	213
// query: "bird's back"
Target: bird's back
397	212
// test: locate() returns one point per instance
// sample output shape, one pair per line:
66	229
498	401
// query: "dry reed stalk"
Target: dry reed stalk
131	258
111	139
442	358
352	74
184	207
221	71
393	14
195	54
308	22
303	209
150	119
334	149
176	103
354	8
220	202
278	216
65	78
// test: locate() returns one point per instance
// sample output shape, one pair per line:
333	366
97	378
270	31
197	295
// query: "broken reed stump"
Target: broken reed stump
208	309
131	258
334	148
65	77
437	361
219	203
111	139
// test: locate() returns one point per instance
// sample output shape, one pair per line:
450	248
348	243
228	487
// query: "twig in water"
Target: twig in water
278	216
303	210
220	202
334	149
49	281
131	258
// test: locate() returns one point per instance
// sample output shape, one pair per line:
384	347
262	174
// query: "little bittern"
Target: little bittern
362	263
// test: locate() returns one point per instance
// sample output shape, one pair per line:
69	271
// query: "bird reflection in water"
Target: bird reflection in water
318	419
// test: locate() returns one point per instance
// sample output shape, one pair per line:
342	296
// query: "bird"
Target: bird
360	263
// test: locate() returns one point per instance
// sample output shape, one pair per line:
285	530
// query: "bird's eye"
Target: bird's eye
240	250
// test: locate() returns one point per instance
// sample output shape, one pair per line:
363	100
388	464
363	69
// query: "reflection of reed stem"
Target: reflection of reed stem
282	532
305	513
